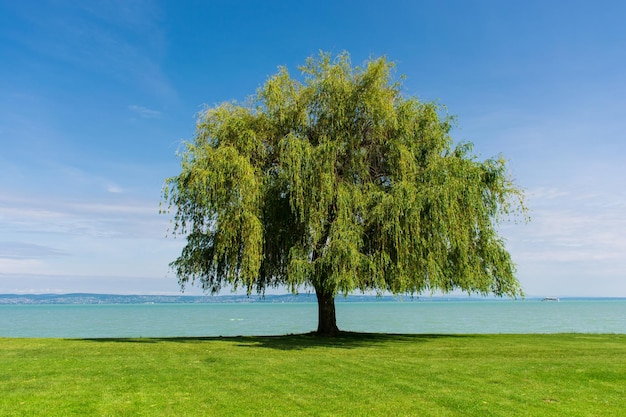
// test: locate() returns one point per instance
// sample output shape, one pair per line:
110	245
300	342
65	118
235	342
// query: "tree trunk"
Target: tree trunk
326	319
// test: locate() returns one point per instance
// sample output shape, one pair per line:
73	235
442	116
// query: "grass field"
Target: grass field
352	375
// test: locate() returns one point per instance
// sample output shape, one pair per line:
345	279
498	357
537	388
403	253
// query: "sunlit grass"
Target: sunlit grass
355	374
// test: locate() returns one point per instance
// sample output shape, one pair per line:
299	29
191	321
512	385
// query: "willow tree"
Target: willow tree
336	182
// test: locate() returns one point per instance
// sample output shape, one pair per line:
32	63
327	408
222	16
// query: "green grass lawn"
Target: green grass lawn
352	375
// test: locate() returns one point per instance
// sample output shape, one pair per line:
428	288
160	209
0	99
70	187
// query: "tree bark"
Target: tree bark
326	318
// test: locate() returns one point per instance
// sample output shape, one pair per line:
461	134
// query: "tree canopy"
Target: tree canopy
337	182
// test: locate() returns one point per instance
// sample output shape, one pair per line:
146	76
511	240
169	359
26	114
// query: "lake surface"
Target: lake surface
230	319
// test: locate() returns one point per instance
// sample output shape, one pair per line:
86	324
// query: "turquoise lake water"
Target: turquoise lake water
215	319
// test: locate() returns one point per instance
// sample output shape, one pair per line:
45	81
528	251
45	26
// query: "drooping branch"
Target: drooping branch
337	182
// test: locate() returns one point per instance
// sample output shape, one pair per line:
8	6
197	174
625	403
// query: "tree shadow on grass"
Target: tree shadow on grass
345	340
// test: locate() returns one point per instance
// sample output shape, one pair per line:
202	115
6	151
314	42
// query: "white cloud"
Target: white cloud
21	250
565	234
17	266
45	283
144	112
113	188
545	193
78	180
94	37
576	235
120	219
56	237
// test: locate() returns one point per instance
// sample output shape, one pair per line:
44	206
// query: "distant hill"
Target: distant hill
80	298
86	298
172	299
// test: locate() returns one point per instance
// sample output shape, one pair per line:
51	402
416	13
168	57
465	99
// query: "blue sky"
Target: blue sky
96	97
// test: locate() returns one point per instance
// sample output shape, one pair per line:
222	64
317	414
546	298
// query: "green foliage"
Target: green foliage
302	375
338	182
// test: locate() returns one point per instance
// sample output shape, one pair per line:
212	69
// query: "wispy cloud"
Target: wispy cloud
546	193
79	177
145	112
103	236
120	39
21	250
46	283
115	189
97	219
573	226
574	244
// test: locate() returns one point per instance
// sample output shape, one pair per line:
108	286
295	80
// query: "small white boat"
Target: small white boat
551	299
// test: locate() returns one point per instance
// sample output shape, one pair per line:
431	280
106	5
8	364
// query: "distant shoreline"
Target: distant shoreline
92	299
